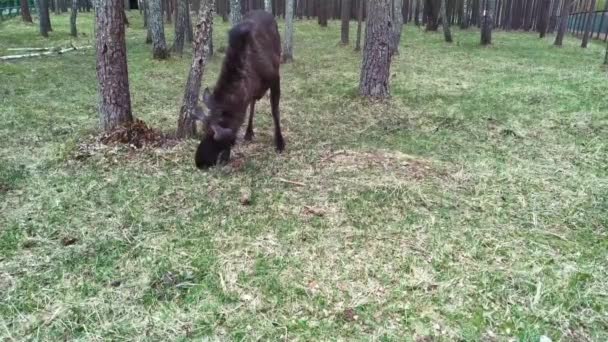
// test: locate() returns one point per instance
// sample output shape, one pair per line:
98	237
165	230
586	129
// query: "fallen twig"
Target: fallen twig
46	53
291	182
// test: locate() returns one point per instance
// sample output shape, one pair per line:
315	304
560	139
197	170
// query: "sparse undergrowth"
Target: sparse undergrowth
472	206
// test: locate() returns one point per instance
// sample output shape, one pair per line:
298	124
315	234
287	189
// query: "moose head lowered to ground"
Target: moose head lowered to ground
250	68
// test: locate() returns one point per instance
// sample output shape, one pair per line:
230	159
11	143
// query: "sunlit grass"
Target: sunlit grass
472	204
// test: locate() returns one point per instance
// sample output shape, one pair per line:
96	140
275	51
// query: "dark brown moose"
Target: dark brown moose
250	68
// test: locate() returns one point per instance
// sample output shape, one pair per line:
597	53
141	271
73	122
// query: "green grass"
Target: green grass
472	204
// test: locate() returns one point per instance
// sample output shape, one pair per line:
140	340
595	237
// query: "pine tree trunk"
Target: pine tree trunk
25	11
486	23
417	13
466	4
563	24
553	19
189	32
375	69
186	122
180	26
288	44
359	24
235	12
397	27
322	6
73	29
112	73
588	24
447	34
544	17
345	22
606	55
268	6
44	17
157	30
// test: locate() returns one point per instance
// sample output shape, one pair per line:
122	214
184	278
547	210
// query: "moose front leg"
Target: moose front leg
249	132
275	98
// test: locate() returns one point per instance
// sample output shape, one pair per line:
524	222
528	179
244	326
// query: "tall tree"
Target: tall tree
563	23
180	26
157	30
73	29
235	12
553	19
447	33
588	23
322	9
375	69
359	21
288	43
45	21
186	122
606	55
487	21
543	17
397	27
268	6
189	32
25	11
112	73
345	17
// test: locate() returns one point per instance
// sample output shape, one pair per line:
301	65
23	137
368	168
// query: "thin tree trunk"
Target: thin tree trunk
397	25
73	29
268	6
589	21
322	12
606	55
25	11
112	73
44	17
180	26
189	32
186	122
359	24
544	17
487	23
553	19
345	16
235	12
375	69
288	44
563	24
447	34
157	30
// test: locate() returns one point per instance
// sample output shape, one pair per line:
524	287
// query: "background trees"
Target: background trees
288	38
157	30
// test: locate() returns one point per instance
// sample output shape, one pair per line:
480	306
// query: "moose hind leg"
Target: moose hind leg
275	98
249	132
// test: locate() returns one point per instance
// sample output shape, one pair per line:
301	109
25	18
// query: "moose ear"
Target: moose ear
207	97
222	134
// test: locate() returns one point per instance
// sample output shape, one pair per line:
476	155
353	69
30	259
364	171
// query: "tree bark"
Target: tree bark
553	19
447	33
359	24
397	27
486	23
588	23
345	17
73	29
157	30
186	122
322	12
606	55
180	26
112	73
375	69
563	23
544	17
288	43
25	11
189	32
44	17
431	14
268	6
235	12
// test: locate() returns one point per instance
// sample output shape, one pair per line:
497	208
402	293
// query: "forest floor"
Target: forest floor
471	206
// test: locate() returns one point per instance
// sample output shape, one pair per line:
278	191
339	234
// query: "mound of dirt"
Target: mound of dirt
136	134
